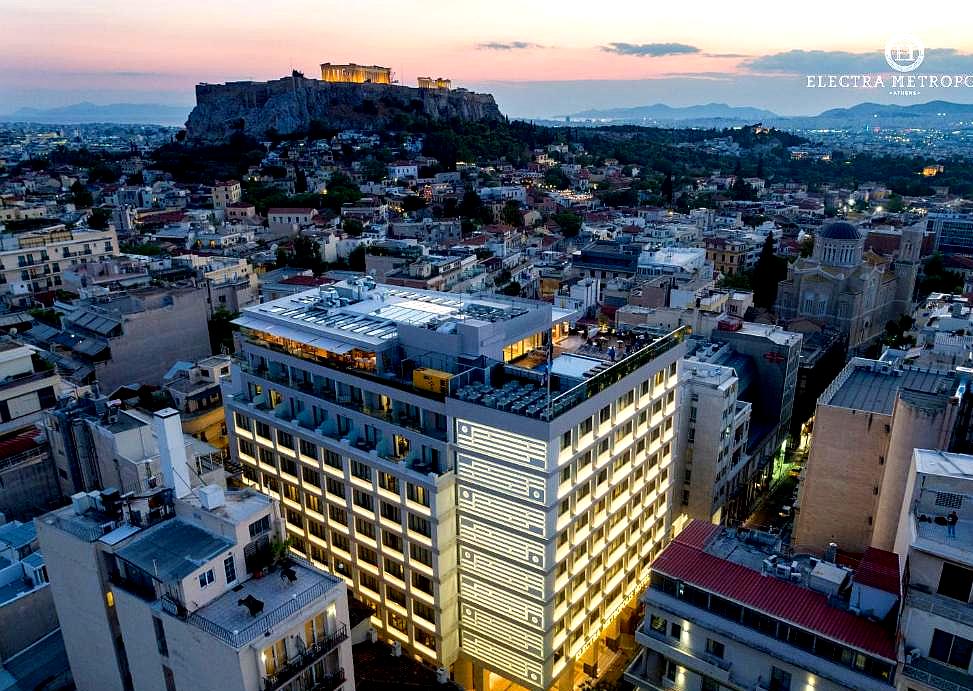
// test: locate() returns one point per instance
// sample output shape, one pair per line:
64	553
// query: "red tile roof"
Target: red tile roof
685	559
879	569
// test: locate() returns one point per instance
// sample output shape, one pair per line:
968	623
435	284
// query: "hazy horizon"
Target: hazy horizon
537	62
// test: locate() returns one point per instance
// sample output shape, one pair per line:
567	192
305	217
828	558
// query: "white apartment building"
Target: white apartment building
936	621
492	526
179	589
726	611
32	262
713	432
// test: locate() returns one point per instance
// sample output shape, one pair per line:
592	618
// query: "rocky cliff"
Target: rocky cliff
294	104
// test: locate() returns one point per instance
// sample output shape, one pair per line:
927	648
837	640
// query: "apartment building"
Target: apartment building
226	192
712	443
95	445
28	385
495	520
765	360
936	624
179	589
866	424
725	610
26	608
32	262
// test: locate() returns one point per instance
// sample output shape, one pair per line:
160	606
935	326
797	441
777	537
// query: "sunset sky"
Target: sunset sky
539	57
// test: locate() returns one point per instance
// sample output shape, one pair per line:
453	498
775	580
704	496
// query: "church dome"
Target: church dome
839	230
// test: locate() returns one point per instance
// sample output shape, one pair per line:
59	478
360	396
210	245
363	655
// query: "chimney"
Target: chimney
172	451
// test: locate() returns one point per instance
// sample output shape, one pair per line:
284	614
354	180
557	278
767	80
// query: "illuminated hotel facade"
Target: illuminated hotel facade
495	520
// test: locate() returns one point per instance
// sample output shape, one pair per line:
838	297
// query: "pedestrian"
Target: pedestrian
951	520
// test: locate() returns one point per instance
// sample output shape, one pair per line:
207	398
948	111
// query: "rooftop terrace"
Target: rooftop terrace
230	621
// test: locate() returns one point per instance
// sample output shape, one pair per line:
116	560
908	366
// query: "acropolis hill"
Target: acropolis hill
293	104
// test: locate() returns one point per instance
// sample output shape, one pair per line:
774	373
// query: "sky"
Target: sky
540	58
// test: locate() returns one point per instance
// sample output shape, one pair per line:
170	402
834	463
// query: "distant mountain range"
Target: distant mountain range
115	113
932	114
660	112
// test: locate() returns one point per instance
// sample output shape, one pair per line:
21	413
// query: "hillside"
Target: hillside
295	104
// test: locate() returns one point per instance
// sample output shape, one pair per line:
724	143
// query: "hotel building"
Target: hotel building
496	520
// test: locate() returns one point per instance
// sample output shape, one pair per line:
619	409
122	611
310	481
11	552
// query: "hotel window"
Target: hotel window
390	512
388	482
334	460
363	500
419	525
308	449
311	477
369	556
246	448
169	678
339	541
391	540
566	440
369	581
266	456
335	487
715	648
395	595
242	420
584	460
423	611
585	427
288	465
417	494
605	414
364	528
291	492
285	439
338	516
263	429
394	568
312	502
421	554
317	530
360	470
422	582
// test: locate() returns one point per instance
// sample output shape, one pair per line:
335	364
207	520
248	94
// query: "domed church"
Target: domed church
843	287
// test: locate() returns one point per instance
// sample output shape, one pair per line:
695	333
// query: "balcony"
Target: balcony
696	660
937	675
300	663
940	605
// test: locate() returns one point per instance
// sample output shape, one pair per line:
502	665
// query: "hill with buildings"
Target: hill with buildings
296	104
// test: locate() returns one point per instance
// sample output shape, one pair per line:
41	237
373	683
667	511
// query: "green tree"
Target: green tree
356	259
352	226
413	203
668	189
511	214
221	330
513	288
569	223
80	196
98	218
555	177
769	271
